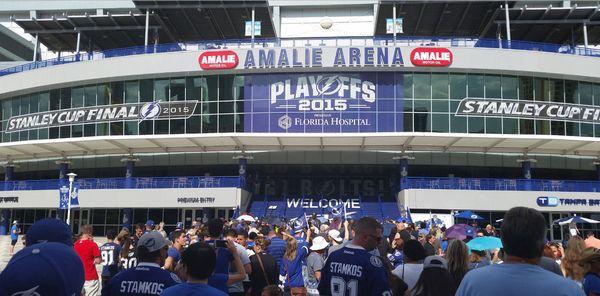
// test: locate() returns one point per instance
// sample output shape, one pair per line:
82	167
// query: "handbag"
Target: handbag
262	267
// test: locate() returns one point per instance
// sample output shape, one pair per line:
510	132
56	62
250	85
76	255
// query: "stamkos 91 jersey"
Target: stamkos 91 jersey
352	271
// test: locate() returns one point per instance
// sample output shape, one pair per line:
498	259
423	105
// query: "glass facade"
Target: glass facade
424	102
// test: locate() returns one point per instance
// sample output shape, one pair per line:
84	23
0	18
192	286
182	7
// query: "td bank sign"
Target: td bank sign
107	113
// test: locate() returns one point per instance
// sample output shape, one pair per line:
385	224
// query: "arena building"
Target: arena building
184	110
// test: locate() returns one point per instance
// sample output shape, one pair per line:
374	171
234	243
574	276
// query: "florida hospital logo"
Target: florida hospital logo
323	93
284	122
150	110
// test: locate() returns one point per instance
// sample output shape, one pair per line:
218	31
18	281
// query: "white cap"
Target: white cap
319	243
15	222
335	235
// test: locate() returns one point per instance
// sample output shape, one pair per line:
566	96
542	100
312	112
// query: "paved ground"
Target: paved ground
5	244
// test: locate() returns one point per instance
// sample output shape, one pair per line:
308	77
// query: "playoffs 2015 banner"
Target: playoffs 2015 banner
321	102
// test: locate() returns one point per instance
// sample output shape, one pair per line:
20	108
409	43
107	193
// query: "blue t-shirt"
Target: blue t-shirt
293	268
224	258
145	279
591	284
109	252
277	249
352	270
14	232
174	253
188	289
516	279
219	281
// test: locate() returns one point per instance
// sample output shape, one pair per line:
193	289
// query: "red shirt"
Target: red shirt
87	251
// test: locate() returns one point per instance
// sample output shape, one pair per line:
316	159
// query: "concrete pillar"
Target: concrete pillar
597	164
129	184
63	180
9	169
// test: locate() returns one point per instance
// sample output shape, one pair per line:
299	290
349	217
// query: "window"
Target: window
177	89
131	91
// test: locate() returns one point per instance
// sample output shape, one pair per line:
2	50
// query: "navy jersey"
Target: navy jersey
130	261
146	279
110	259
352	271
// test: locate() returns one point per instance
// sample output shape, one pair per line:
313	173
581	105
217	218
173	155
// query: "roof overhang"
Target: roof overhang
389	142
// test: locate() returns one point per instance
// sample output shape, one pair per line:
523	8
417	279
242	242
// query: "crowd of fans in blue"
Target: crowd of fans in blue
303	256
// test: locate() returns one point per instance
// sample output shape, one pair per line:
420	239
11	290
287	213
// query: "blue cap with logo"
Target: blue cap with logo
43	269
49	230
150	223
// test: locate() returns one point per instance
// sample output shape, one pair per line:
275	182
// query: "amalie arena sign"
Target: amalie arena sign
138	111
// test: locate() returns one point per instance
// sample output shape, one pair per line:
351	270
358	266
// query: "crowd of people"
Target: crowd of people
311	257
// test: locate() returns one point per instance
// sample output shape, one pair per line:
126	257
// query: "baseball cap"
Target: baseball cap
319	243
435	262
179	225
15	222
150	223
43	269
153	241
335	235
49	230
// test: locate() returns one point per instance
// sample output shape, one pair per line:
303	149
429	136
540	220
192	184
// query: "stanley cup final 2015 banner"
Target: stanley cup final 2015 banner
136	111
322	103
528	110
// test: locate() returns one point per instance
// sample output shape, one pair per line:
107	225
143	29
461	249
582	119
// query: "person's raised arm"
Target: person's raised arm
240	274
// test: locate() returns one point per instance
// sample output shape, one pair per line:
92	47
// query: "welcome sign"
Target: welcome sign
321	102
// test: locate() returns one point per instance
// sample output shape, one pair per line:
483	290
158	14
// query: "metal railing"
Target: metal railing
302	42
124	183
501	184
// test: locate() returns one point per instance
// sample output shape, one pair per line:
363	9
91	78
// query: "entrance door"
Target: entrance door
79	217
190	215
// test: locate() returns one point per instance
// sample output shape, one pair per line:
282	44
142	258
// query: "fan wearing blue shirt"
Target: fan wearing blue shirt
198	262
523	240
110	257
224	256
277	246
291	264
174	252
352	270
147	278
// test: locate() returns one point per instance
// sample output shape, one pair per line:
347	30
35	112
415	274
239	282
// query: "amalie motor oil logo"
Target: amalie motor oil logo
431	57
218	60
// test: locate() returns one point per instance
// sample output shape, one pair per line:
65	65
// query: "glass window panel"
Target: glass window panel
239	107
422	85
422	105
209	123
53	133
131	127
587	130
132	89
239	123
475	86
192	125
422	122
102	95
493	126
146	90
77	131
6	109
25	105
572	128
209	108
33	134
585	93
193	88
557	128
55	99
238	87
177	126
146	127
65	131
225	107
440	106
458	86
571	92
16	106
44	101
408	122
492	86
226	87
557	90
161	90
439	86
211	88
77	97
542	127
177	87
43	133
440	123
65	98
102	129
116	92
476	125
597	94
510	87
112	216
90	95
510	126
23	136
526	126
458	124
526	88
89	130
116	128
408	105
226	123
407	81
161	127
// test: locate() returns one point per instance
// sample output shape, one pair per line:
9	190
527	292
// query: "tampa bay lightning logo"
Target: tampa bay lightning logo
329	85
298	223
150	110
30	292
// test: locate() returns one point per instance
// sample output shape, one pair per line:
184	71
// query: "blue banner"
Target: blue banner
323	103
64	196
